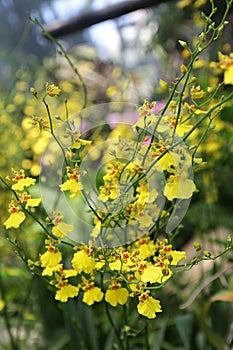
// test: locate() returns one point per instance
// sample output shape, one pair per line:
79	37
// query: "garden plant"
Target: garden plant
100	200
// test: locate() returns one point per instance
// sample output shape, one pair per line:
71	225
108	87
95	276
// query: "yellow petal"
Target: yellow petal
50	259
182	129
48	271
117	296
26	182
228	76
15	220
116	265
96	230
177	256
69	273
178	188
80	142
62	229
82	262
93	295
145	220
72	186
99	265
66	292
33	202
149	307
152	274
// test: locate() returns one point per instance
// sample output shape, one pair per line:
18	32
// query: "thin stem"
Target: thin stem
172	94
201	140
13	343
63	51
90	206
44	228
52	130
188	73
114	327
198	50
219	104
126	324
152	139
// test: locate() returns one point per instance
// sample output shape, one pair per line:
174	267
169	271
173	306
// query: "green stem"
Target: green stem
90	206
63	51
13	343
198	50
52	131
126	324
44	228
219	104
114	327
196	260
172	94
201	139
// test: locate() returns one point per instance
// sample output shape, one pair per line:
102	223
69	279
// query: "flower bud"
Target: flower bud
183	44
33	91
207	253
183	68
197	246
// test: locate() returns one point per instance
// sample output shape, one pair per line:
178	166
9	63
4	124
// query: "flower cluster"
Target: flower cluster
73	184
136	184
142	171
225	64
126	272
22	200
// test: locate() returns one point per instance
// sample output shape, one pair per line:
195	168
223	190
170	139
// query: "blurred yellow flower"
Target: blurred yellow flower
2	304
62	229
80	142
226	64
177	187
73	186
53	90
33	91
184	3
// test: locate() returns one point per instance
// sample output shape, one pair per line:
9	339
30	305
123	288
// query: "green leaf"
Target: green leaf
184	325
159	336
80	324
216	340
60	343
